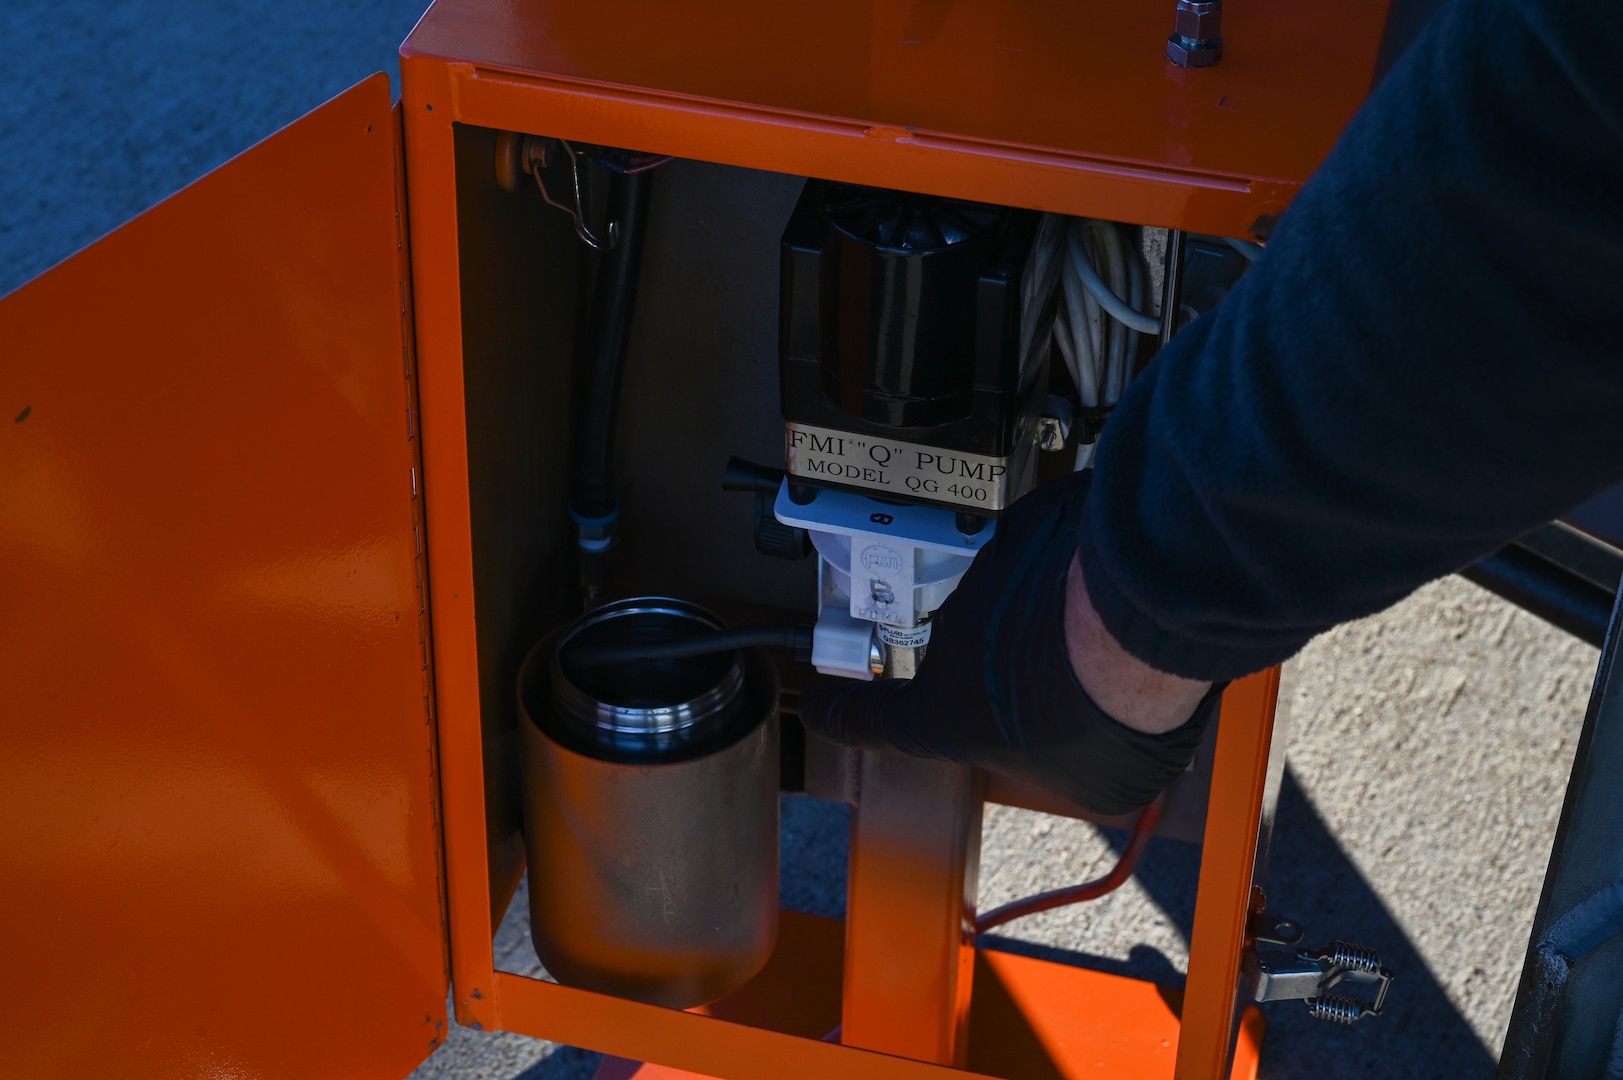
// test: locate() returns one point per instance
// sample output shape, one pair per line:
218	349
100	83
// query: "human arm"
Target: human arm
1426	363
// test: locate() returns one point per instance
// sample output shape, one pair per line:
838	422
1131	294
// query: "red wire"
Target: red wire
1143	829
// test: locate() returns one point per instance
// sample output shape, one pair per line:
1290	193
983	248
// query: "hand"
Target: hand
998	690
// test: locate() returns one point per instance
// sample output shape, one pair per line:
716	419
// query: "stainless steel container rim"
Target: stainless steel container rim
642	719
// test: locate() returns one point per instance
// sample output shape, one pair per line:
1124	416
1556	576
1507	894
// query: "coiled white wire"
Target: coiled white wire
1097	319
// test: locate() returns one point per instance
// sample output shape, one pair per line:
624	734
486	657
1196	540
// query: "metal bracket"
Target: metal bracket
520	155
578	214
1273	929
1301	975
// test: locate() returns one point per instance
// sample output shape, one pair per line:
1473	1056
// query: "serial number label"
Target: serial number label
974	481
909	637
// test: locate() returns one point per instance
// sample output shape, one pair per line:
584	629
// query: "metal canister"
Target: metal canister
651	809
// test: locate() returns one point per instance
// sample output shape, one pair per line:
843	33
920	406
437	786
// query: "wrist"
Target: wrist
1125	688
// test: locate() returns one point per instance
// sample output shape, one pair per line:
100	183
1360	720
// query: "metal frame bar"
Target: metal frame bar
1568	1016
692	1041
1559	573
1227	869
910	908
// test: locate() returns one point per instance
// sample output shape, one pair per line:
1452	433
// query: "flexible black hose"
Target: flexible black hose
602	358
790	637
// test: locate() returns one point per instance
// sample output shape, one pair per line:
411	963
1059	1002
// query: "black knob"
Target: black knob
772	537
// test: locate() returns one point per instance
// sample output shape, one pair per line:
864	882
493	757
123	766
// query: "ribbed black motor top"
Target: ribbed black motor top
903	221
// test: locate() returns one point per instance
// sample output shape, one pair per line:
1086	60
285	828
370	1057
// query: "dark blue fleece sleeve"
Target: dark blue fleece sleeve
1427	361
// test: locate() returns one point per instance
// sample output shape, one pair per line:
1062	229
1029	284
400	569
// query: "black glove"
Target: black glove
996	689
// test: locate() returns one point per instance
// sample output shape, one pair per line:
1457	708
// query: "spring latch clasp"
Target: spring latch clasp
1302	975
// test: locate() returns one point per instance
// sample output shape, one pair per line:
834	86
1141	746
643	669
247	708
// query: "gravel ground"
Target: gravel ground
1425	772
1430	744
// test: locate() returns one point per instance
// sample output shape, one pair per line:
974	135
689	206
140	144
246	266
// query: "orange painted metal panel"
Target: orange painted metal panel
798	991
771	1029
1031	1020
1227	862
218	834
1042	1021
1072	105
688	1040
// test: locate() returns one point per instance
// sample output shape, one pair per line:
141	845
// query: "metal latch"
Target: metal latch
1302	975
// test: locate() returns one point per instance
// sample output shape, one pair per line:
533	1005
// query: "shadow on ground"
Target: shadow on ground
1420	1035
564	1063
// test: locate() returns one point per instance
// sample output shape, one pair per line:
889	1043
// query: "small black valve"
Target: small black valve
772	537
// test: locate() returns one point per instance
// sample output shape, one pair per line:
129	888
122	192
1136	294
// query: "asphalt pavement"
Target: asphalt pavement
1430	744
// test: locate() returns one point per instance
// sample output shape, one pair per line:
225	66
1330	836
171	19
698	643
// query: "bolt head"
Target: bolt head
1050	433
1194	54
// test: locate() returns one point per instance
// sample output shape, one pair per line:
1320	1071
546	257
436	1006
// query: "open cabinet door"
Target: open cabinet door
219	845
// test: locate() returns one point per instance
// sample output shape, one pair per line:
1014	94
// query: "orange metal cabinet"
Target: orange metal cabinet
1049	105
231	786
219	843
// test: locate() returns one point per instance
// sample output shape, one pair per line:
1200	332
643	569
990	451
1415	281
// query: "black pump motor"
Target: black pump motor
900	347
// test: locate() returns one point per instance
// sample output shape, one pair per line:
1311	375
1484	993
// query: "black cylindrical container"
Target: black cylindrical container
651	809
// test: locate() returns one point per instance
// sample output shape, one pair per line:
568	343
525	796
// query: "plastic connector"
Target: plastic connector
772	537
843	646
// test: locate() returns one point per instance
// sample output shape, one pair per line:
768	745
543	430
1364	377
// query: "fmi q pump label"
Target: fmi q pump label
973	481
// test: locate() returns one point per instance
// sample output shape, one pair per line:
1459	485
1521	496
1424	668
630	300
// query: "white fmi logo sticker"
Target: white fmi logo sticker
896	468
882	580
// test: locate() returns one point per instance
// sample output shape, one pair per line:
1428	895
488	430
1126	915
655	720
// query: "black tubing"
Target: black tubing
742	475
602	358
790	637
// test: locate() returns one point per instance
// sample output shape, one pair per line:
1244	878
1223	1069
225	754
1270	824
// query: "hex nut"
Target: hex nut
1192	55
1200	20
1197	34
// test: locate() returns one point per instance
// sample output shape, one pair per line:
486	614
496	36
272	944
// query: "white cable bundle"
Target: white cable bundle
1036	287
1099	351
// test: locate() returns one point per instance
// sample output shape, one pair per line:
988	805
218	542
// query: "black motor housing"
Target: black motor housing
900	319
